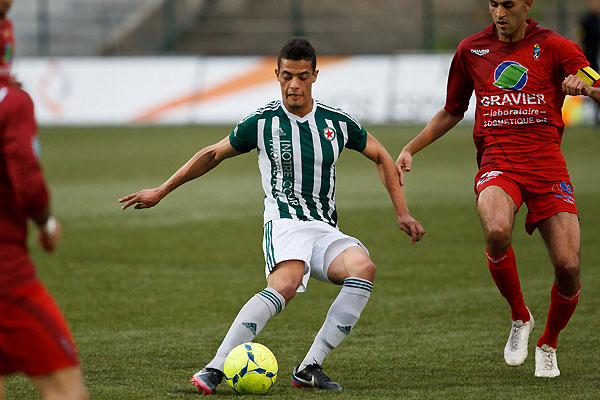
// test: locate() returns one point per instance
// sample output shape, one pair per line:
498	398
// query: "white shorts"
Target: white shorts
314	242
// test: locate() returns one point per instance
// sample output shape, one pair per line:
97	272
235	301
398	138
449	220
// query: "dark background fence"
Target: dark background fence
227	27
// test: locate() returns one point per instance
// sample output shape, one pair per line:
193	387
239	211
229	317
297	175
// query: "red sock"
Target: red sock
561	309
504	272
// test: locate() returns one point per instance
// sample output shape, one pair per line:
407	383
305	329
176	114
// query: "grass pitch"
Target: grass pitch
150	294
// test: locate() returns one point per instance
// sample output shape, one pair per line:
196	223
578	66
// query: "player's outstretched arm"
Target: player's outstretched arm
389	176
441	123
202	162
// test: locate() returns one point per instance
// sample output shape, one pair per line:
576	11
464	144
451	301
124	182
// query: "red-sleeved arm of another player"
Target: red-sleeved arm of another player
589	76
460	86
23	169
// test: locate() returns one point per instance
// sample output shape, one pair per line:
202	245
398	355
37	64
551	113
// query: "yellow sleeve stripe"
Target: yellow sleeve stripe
588	75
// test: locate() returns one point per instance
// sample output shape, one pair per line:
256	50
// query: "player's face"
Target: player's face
4	7
296	79
509	17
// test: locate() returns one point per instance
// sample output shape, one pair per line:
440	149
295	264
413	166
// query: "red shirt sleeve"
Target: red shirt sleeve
568	55
22	167
460	86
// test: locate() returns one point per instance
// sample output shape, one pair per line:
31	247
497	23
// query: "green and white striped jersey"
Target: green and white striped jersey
297	157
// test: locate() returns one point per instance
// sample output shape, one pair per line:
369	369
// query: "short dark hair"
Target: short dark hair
298	49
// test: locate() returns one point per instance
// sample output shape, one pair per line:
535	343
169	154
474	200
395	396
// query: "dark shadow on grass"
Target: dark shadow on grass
219	393
184	391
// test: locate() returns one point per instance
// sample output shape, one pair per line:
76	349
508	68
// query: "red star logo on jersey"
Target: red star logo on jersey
329	133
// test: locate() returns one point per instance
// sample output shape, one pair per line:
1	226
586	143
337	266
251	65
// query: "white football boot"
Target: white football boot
545	362
515	351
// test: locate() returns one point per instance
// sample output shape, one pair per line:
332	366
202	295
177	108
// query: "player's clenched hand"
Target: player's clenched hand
574	86
412	227
403	164
143	199
49	234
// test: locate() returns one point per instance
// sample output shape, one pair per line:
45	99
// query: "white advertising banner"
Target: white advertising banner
205	90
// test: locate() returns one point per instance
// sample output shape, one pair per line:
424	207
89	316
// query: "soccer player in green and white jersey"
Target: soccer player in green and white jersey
298	141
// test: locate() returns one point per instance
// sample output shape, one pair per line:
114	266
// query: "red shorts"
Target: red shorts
34	337
543	196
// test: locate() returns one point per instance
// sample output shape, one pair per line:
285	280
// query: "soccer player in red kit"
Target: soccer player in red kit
520	74
7	38
34	337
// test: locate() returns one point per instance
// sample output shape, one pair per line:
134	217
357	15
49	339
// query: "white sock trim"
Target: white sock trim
273	299
357	286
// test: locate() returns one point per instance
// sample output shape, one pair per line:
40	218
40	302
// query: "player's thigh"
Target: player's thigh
39	338
562	235
65	384
496	210
352	262
284	241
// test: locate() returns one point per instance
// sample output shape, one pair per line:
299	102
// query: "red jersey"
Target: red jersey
23	191
7	47
518	89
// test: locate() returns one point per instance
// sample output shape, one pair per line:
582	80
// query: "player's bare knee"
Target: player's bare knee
287	291
286	278
364	269
567	269
498	239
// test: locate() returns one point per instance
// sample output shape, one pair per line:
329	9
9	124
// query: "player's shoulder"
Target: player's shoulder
13	96
539	34
554	41
557	38
265	111
7	23
7	31
334	113
537	30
